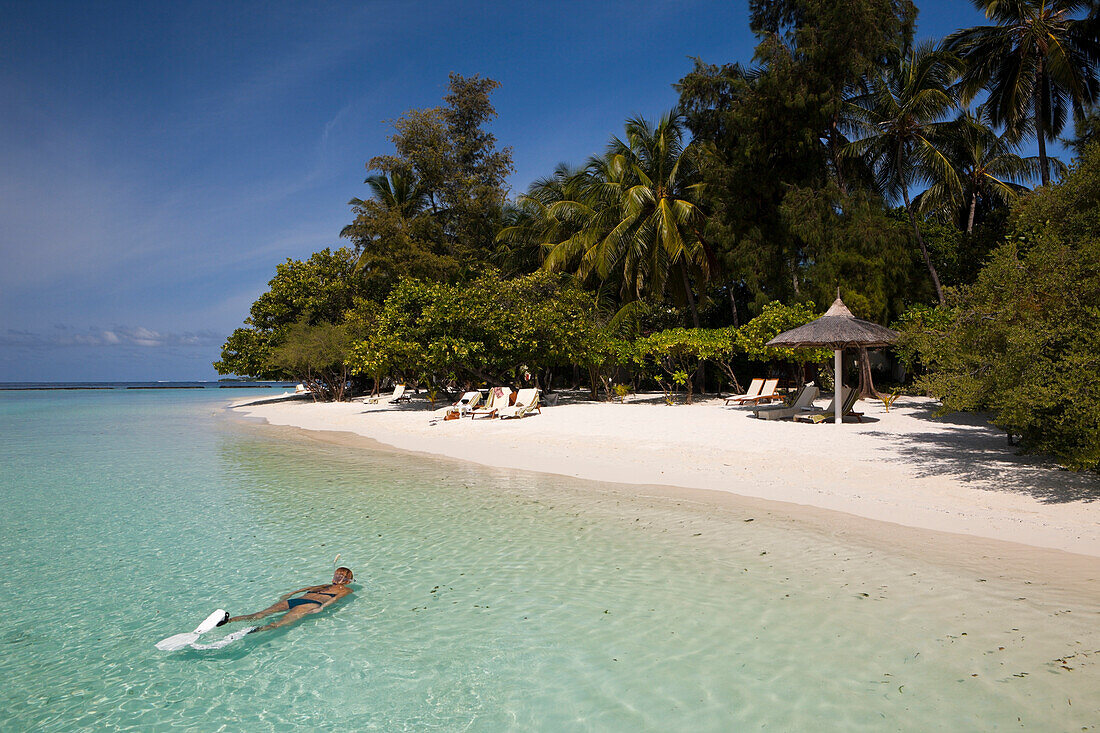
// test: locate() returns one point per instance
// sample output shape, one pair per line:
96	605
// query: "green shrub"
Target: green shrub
1023	341
677	352
488	330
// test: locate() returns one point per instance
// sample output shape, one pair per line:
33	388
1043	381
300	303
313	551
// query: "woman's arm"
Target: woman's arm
307	589
340	593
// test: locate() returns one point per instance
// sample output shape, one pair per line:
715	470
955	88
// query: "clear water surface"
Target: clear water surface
488	600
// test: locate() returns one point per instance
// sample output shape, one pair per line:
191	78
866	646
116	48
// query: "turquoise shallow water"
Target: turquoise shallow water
487	600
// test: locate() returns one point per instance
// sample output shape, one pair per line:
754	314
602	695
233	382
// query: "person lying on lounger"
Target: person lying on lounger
314	598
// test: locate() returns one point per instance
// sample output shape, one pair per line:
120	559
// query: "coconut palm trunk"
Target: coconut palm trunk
690	296
923	247
733	307
1042	99
700	373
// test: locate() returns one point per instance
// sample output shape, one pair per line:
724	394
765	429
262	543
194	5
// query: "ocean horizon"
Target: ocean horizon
148	384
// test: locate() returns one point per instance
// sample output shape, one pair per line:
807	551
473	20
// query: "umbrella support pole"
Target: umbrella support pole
838	384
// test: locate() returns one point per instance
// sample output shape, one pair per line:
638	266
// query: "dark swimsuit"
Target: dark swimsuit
295	602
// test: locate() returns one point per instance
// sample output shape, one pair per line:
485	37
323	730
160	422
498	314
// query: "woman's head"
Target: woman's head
342	576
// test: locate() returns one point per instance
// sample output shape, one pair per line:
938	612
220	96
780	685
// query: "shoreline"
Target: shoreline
966	485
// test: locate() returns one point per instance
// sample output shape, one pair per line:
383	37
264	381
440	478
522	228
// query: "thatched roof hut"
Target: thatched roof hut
838	329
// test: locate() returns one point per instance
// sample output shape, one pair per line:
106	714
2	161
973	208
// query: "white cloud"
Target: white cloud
119	336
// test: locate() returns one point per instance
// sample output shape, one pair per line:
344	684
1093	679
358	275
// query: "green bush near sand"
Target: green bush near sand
489	330
1023	341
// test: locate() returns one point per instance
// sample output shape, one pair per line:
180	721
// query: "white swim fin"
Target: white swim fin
179	641
229	639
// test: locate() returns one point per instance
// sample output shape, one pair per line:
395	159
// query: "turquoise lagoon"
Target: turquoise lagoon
486	600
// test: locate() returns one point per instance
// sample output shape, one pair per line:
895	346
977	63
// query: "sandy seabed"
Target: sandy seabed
906	467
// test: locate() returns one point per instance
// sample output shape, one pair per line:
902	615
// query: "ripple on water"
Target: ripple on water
487	600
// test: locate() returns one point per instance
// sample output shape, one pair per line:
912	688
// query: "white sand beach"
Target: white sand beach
951	474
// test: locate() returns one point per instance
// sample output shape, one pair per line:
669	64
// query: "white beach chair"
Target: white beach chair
465	404
498	397
804	400
527	401
816	415
397	396
808	412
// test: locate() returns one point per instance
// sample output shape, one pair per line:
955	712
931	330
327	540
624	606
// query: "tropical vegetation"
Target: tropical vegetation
1023	341
847	158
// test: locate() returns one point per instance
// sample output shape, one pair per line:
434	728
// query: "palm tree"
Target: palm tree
533	223
396	200
397	192
1034	62
900	116
591	208
640	220
985	168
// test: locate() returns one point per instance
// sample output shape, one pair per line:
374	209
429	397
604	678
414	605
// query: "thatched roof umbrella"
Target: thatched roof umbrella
837	329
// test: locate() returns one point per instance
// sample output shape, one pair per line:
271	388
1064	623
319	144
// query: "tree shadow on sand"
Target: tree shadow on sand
965	446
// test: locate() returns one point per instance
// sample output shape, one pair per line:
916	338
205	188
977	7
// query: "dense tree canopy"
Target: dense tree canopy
845	158
780	127
437	200
317	291
484	331
316	355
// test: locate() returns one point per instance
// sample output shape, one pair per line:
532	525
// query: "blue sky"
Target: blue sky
158	159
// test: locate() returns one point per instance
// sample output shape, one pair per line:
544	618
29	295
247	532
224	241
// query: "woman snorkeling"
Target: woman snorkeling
314	598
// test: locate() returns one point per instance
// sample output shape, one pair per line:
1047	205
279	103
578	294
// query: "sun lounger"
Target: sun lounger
767	394
753	391
811	414
816	415
398	395
464	406
527	401
468	401
802	401
498	397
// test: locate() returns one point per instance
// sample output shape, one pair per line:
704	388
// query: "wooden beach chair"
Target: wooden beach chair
802	401
767	394
527	401
498	397
753	391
